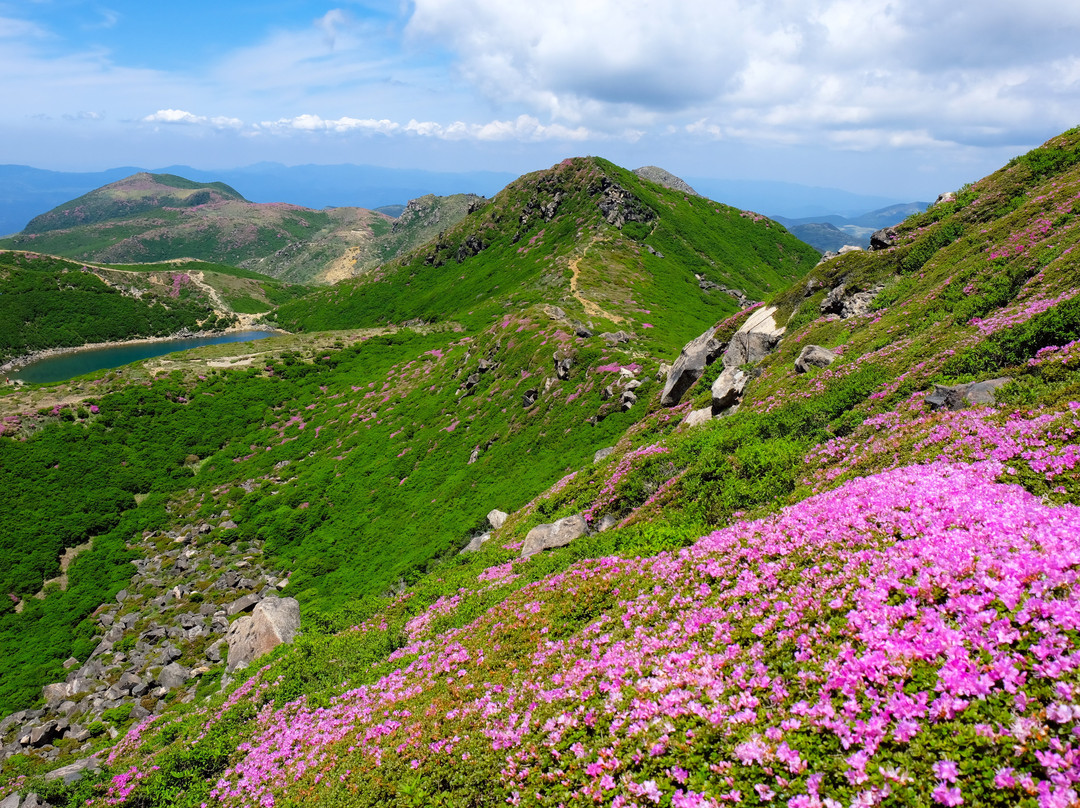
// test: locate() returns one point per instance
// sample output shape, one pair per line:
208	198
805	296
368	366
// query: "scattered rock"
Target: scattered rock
607	523
627	400
814	356
529	397
948	196
173	675
72	772
11	800
475	543
856	304
497	518
562	367
616	338
602	453
728	388
244	604
275	621
698	417
883	239
962	396
557	534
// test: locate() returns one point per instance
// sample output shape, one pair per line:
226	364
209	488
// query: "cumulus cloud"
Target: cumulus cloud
523	128
180	116
859	73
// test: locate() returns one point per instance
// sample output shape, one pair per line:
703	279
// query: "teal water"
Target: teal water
67	366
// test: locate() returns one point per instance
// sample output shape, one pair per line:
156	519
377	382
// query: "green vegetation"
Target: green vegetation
767	577
52	303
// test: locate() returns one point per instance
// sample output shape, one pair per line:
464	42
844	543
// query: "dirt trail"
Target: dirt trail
592	309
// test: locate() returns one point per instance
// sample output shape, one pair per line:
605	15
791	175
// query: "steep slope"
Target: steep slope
610	250
852	588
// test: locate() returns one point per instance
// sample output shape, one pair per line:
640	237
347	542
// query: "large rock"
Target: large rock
243	604
12	800
72	772
497	518
884	238
961	396
173	675
849	304
55	693
728	388
475	543
698	417
814	356
275	621
748	348
695	356
557	534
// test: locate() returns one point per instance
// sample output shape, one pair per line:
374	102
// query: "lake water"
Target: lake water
69	365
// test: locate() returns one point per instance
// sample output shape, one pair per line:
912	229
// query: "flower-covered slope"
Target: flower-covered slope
833	597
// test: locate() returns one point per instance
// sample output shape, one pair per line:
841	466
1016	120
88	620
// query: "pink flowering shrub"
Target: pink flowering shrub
787	659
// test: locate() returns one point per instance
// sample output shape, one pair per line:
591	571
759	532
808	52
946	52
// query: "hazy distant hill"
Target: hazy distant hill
160	217
833	232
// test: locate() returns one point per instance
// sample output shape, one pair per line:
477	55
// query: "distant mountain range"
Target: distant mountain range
26	192
833	232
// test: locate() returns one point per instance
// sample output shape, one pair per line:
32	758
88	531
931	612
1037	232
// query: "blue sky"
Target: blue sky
900	98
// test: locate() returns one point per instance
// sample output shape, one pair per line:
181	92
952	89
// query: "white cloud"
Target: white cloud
902	73
180	116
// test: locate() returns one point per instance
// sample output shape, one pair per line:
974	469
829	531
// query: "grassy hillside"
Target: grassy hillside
834	595
608	248
46	302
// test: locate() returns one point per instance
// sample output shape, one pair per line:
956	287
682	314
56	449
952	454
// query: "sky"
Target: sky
899	98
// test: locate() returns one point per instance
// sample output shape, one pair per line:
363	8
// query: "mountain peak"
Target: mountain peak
665	178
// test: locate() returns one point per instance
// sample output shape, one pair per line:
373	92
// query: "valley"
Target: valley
594	492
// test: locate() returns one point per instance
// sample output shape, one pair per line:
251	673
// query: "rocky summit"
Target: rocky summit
557	523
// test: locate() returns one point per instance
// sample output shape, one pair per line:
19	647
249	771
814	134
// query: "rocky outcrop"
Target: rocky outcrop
814	356
962	396
844	303
600	454
557	534
884	238
275	621
619	206
695	356
666	178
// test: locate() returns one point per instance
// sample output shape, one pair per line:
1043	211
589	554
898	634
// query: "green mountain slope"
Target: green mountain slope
608	248
148	218
852	588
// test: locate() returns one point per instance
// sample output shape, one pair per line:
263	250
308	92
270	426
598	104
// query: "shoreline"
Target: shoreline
45	353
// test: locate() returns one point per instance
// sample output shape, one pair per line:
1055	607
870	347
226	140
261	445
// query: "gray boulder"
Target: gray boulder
275	621
72	772
698	417
528	398
749	348
557	534
244	604
883	239
695	356
12	800
814	356
728	388
962	396
627	400
475	543
600	454
497	518
173	675
615	338
562	367
607	523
